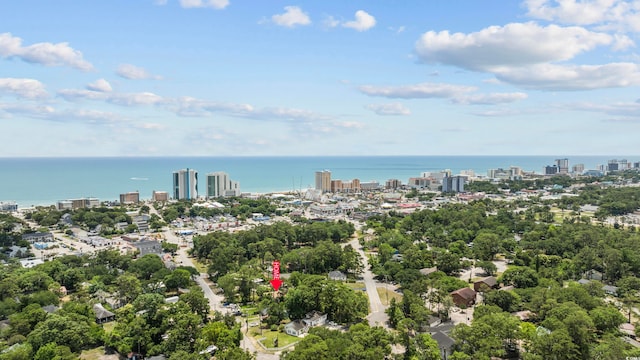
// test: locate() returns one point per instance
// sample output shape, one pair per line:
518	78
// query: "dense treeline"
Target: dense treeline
311	248
567	320
143	321
237	207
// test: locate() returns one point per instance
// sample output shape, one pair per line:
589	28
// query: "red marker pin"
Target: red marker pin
276	282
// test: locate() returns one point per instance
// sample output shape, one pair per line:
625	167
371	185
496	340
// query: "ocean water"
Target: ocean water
44	181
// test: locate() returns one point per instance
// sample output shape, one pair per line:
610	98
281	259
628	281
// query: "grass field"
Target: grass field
270	336
358	286
97	354
386	295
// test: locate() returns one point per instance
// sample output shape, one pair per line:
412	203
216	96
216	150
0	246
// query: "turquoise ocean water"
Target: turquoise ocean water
43	181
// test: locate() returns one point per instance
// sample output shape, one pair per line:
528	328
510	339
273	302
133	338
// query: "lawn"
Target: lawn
358	286
97	354
269	336
108	327
202	268
386	295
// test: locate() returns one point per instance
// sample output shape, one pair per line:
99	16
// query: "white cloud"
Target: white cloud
100	85
513	45
627	110
389	109
331	22
123	99
214	4
418	91
616	14
23	88
490	99
362	22
150	126
573	77
292	17
133	72
34	110
48	54
47	112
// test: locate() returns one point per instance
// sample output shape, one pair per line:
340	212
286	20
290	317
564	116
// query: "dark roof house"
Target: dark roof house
103	315
464	297
485	284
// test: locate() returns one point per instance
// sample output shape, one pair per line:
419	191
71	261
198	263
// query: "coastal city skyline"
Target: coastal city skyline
239	78
209	177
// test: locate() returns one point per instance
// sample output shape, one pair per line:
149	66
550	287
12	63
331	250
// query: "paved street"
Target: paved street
377	316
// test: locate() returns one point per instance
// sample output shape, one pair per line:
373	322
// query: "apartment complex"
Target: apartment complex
185	184
220	185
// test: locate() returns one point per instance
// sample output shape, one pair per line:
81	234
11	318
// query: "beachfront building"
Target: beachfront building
8	206
81	203
563	166
370	185
185	184
220	185
453	184
419	183
345	186
323	180
577	169
159	195
130	198
550	170
392	184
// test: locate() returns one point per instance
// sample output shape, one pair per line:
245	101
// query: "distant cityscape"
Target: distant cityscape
186	183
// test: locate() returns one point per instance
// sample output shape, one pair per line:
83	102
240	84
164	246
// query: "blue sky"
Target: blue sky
239	77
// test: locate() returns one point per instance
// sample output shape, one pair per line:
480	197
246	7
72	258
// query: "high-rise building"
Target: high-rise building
219	184
453	183
185	184
130	198
323	180
577	168
159	195
612	165
393	184
550	170
563	166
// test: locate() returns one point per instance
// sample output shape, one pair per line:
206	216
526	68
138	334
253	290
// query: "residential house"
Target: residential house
611	290
428	271
315	318
103	315
337	275
485	284
296	328
593	275
464	297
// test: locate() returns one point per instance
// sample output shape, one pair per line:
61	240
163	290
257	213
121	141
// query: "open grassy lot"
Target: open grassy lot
270	336
386	295
97	354
358	286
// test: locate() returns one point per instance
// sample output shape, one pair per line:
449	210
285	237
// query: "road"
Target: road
377	316
215	300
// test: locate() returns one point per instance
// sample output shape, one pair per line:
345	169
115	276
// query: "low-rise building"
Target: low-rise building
38	237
